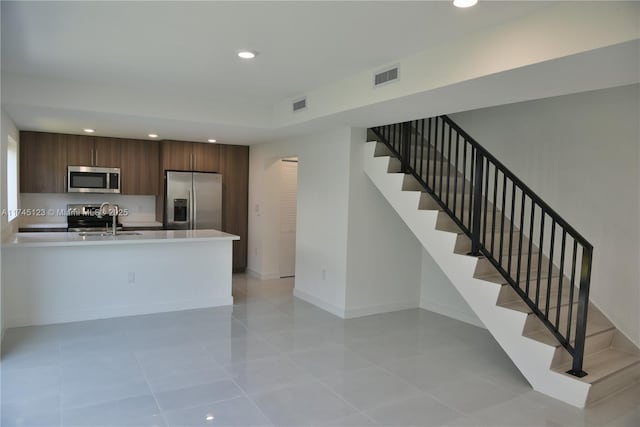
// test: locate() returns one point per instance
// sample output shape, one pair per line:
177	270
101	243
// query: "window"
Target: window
12	179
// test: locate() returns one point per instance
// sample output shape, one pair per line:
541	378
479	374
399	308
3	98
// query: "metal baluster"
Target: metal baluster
441	138
513	218
464	180
495	203
553	235
415	146
486	205
477	203
533	212
422	148
449	168
471	186
406	146
429	152
583	304
455	180
540	252
504	192
562	248
522	205
571	288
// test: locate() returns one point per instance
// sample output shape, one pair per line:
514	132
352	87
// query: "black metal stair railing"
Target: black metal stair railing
537	252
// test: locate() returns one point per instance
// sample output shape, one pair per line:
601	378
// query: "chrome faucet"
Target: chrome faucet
110	209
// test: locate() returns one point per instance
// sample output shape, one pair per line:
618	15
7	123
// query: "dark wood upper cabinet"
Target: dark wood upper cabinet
176	155
190	156
206	157
43	162
107	152
139	164
79	150
93	151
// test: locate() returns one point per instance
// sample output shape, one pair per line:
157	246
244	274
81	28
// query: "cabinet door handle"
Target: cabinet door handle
96	162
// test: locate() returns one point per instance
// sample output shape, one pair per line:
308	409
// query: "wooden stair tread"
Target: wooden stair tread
496	277
520	305
596	323
602	364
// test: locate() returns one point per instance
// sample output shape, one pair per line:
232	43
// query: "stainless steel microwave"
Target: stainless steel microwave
88	179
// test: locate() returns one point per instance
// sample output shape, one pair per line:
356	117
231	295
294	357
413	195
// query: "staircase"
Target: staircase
523	269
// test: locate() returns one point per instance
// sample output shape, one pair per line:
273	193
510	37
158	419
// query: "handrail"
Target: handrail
477	171
521	184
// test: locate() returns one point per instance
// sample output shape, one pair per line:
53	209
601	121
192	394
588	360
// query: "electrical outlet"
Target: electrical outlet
132	277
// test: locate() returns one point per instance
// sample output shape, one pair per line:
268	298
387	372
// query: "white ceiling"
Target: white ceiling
170	67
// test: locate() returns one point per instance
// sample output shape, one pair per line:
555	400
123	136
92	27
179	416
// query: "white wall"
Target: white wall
383	256
321	229
7	127
581	154
439	295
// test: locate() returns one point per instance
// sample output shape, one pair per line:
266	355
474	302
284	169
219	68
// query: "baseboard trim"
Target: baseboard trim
451	312
336	311
378	309
121	311
262	276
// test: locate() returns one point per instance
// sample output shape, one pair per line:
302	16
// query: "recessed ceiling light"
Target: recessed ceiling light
464	3
246	54
153	135
211	140
87	130
210	418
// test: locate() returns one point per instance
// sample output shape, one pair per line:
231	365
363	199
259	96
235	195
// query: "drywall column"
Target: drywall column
322	210
581	154
354	255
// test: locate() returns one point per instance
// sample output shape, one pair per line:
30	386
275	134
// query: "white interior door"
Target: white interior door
288	205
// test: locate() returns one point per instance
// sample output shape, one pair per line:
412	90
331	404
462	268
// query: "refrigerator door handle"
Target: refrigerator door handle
195	209
190	214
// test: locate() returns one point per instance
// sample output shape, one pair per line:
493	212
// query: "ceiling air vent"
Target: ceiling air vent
300	104
387	76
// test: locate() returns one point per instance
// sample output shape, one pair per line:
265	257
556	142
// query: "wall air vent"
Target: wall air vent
386	76
300	104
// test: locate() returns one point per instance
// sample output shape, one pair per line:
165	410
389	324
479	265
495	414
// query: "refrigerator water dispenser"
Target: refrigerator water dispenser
180	210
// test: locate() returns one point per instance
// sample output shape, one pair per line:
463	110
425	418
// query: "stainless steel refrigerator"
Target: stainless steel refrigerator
193	201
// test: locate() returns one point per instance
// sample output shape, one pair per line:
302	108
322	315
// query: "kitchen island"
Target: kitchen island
64	276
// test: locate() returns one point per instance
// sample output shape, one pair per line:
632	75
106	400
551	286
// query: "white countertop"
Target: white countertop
40	239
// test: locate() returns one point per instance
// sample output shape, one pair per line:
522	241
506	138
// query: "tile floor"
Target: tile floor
275	360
